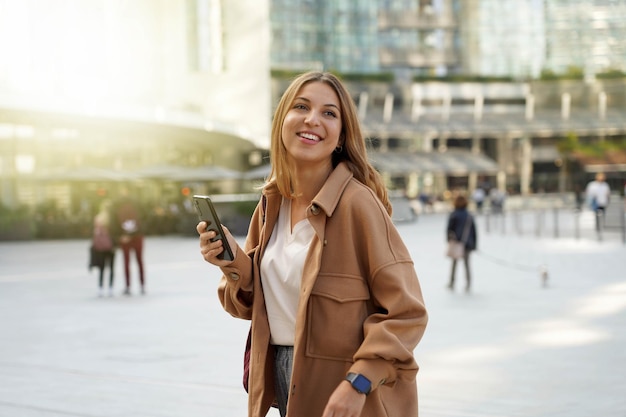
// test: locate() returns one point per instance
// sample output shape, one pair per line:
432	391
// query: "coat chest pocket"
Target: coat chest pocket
335	315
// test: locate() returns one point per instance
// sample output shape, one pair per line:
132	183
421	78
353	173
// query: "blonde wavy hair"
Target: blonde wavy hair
353	149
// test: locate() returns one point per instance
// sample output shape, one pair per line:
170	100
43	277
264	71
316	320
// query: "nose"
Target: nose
312	119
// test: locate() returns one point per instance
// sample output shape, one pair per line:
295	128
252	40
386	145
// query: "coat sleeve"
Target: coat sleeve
236	287
399	318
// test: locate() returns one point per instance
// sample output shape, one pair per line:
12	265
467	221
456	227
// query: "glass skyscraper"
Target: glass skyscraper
362	36
590	35
517	38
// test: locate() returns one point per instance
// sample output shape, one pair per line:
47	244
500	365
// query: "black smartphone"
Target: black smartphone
206	213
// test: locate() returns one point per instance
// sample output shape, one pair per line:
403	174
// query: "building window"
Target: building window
206	40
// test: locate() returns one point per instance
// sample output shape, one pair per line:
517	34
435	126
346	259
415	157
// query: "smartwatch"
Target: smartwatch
361	384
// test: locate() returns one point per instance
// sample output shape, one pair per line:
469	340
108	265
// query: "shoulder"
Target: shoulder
362	199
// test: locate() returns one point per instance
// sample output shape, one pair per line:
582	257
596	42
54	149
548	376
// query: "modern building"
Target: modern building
171	94
589	35
95	93
363	37
502	38
466	86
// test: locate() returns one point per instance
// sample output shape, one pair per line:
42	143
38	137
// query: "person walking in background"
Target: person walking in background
329	285
102	247
496	200
462	228
129	235
479	199
598	194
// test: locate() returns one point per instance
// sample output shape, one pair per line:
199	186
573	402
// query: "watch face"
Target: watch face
361	384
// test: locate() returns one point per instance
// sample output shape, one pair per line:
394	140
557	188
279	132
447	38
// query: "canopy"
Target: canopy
451	162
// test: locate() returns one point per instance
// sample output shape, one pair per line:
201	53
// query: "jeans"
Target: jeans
135	244
283	360
600	219
468	277
109	261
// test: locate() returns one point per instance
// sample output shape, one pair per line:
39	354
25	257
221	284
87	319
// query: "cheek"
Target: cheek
284	133
287	127
336	132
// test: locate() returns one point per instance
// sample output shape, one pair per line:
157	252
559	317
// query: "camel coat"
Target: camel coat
360	310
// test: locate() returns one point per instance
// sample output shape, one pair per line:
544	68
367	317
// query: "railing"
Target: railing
558	218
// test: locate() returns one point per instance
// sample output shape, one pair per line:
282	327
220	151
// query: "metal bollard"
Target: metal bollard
538	222
556	222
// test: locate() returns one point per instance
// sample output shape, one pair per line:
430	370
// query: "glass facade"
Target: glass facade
502	38
589	35
517	38
297	34
352	41
350	35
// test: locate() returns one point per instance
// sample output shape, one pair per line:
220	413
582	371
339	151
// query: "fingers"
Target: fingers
201	227
211	248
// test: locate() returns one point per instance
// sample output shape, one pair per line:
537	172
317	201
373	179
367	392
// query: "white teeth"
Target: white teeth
310	136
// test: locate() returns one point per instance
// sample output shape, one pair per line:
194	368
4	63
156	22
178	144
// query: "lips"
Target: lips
309	136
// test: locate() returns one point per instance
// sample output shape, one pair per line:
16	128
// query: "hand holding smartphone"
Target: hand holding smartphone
206	213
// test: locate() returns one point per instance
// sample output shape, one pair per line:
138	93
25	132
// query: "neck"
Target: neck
308	181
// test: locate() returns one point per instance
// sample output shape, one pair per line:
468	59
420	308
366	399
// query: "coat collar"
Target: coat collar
330	194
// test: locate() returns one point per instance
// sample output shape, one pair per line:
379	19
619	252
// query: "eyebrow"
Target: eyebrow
308	101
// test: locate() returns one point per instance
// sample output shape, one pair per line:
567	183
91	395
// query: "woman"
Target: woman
102	247
335	303
129	235
461	227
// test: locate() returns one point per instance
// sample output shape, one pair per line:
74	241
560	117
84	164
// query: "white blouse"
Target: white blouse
281	273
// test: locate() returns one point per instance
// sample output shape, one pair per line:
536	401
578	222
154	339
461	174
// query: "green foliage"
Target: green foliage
8	216
460	78
568	144
245	208
610	74
571	144
16	224
571	73
285	74
348	76
386	77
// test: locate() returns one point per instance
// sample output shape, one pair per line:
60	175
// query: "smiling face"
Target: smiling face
312	125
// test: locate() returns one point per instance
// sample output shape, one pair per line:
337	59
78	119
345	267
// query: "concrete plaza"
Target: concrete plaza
511	347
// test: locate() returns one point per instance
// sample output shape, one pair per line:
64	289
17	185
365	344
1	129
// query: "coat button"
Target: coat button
315	209
234	276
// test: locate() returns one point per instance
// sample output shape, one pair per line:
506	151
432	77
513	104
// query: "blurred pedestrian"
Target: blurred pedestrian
496	200
328	283
129	236
578	197
102	247
479	199
461	228
598	194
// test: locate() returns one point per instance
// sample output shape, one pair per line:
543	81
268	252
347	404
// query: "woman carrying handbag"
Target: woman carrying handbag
461	232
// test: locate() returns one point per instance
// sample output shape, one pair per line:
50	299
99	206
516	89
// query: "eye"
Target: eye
330	113
299	106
